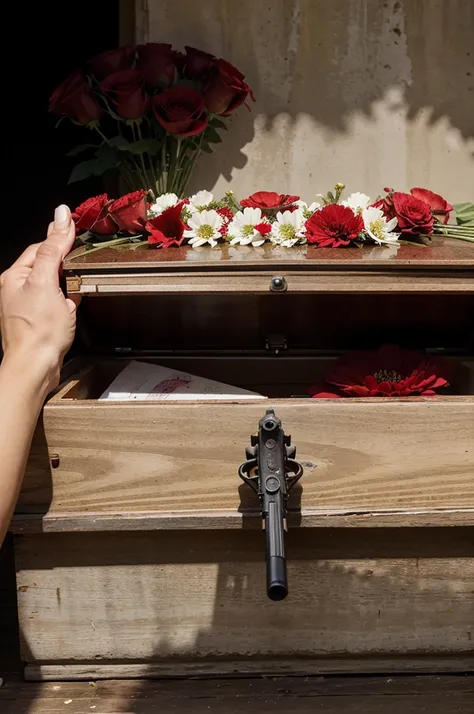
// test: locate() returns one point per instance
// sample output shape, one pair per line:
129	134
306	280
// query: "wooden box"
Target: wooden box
139	550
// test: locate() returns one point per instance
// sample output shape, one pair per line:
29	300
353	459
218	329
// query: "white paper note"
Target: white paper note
142	381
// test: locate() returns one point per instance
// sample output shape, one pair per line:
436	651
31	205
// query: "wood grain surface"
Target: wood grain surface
179	460
196	604
353	695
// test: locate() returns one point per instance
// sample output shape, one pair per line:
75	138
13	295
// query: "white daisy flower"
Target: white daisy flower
200	200
166	200
358	202
242	231
308	210
377	226
288	229
204	228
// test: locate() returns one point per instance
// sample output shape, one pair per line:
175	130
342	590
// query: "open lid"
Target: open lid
445	265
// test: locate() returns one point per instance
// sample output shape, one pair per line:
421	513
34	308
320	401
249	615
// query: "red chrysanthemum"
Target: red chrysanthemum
167	229
270	202
334	226
387	372
227	216
440	208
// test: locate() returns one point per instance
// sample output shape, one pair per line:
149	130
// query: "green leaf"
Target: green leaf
120	142
84	170
143	146
212	137
218	124
206	149
464	213
80	149
190	83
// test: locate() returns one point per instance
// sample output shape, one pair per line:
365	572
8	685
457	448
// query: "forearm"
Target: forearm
22	394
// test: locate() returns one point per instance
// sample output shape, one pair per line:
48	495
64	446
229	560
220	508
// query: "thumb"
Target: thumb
53	250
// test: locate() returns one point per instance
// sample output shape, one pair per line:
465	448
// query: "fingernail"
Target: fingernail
62	217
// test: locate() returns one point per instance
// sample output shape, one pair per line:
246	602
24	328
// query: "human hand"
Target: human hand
37	322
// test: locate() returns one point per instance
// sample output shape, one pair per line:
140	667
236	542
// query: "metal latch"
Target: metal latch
276	344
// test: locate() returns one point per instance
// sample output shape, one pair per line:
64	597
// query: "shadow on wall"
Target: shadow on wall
358	88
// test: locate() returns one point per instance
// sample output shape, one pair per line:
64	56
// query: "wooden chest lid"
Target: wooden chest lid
445	265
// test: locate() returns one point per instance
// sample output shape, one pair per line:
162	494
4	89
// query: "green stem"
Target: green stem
145	177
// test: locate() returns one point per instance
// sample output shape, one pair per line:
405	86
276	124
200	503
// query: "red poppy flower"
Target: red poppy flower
440	208
93	215
270	202
334	226
129	211
386	372
167	229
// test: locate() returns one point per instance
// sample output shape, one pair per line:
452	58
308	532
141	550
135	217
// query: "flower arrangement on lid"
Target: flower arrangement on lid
153	111
268	217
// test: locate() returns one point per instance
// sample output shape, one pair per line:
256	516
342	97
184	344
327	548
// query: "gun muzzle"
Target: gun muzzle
277	579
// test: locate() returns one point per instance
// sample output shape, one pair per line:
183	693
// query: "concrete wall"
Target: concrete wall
371	93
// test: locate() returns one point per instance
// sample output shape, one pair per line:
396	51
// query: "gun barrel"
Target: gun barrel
277	579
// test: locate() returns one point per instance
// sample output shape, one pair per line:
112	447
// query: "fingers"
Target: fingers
51	253
27	258
73	303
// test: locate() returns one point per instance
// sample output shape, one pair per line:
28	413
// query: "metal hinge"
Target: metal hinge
276	344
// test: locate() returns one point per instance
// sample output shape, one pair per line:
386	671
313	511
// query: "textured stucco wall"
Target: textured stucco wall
368	92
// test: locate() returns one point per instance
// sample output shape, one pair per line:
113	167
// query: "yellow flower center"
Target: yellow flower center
287	231
384	375
206	231
247	230
377	228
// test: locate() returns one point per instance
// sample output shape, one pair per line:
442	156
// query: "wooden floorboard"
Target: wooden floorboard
328	695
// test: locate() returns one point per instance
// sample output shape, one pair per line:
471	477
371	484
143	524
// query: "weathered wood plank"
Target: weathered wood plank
182	458
177	598
437	695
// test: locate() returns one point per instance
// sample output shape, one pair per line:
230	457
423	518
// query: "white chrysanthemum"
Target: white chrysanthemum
204	228
308	210
166	200
242	231
200	200
358	202
288	229
377	226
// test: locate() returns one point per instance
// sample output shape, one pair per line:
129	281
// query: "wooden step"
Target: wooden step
351	695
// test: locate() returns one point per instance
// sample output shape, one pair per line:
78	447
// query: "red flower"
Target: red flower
197	63
227	216
387	372
167	229
270	202
414	216
334	226
74	98
264	229
386	204
158	62
126	91
93	215
225	89
180	110
112	61
439	206
129	212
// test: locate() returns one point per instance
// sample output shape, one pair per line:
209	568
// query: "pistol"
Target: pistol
271	471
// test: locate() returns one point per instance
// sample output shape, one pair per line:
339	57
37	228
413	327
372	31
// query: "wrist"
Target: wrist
28	375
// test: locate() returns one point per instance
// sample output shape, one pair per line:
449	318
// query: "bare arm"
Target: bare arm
38	325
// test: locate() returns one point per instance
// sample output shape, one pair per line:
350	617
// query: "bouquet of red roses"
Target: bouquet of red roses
153	111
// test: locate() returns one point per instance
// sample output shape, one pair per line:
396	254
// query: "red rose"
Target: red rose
387	372
158	62
93	215
270	202
126	91
112	61
167	229
129	212
414	216
197	63
225	90
334	226
439	206
180	110
74	98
